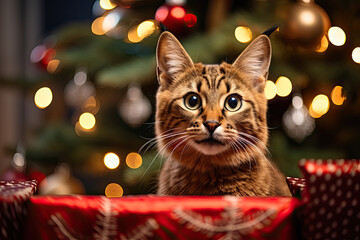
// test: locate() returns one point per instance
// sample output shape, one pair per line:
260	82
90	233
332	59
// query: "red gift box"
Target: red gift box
152	217
332	199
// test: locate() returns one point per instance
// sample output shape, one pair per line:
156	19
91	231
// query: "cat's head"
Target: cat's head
212	111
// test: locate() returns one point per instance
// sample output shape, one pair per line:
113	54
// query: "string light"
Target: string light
283	86
337	95
161	14
324	43
270	90
356	55
337	36
133	35
177	12
97	26
319	106
145	28
87	121
53	66
190	20
43	97
243	34
111	20
133	160
107	4
111	160
114	190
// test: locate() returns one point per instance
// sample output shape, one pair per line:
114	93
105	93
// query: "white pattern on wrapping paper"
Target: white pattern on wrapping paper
61	227
232	226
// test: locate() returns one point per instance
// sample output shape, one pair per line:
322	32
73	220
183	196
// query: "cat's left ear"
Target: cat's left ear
171	59
254	62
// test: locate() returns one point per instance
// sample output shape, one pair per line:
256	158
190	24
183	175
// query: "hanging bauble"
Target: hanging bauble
61	183
305	25
135	108
175	17
297	122
78	90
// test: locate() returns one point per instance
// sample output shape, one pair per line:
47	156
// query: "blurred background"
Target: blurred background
78	83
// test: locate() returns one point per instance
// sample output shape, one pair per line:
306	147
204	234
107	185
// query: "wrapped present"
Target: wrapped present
153	217
332	199
296	185
13	197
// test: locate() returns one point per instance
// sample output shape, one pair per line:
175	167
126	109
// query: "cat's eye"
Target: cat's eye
233	103
192	101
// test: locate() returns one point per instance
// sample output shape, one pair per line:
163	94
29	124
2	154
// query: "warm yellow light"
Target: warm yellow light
337	36
356	55
243	34
52	66
87	120
97	26
91	105
133	35
145	28
270	90
43	97
307	17
337	96
283	86
114	190
133	160
323	45
111	160
107	4
320	105
111	20
313	113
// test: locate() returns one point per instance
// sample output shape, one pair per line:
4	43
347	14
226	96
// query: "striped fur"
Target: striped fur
236	163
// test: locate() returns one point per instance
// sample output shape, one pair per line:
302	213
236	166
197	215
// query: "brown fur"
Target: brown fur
237	165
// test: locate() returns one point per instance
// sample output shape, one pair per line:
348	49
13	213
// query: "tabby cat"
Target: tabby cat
211	123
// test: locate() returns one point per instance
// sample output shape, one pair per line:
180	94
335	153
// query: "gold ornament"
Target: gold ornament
306	23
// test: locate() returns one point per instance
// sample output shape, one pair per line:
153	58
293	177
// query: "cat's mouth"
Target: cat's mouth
210	141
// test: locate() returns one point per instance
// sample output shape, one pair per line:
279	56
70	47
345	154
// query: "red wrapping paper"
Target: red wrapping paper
13	197
332	199
152	217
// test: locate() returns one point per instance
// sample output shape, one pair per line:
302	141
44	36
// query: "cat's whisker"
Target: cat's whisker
257	140
154	140
159	152
259	151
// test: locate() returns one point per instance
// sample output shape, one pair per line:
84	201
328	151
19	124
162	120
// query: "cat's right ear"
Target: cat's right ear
171	59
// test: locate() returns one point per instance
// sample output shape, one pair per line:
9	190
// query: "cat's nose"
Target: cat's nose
211	126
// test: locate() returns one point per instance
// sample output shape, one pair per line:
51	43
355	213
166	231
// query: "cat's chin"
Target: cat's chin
210	149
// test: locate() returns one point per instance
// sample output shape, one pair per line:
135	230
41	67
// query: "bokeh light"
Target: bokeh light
107	4
337	95
283	86
87	120
111	20
337	36
145	28
190	20
177	12
111	160
270	89
91	105
43	97
356	55
133	35
243	34
114	190
97	26
53	66
133	160
324	43
161	14
38	53
319	106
